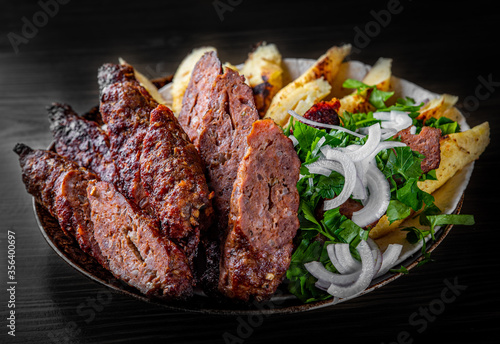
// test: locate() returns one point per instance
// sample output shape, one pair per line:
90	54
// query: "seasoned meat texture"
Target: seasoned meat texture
217	114
61	186
222	141
324	112
173	177
82	141
426	143
125	107
196	98
137	252
263	219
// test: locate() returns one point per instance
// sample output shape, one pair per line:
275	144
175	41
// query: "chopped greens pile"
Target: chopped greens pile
401	167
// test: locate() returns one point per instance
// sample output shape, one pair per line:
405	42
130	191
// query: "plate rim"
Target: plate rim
410	263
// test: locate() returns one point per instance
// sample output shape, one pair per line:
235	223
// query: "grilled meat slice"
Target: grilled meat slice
137	252
61	186
82	141
196	99
125	108
263	220
217	114
173	176
427	143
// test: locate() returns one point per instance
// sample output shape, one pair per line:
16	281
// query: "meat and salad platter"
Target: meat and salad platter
276	185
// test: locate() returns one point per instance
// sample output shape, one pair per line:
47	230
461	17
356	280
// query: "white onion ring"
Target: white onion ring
349	180
389	257
345	258
322	274
378	201
364	278
397	120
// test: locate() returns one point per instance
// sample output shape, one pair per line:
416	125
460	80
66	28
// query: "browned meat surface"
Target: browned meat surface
324	112
125	107
196	98
61	186
426	143
82	141
173	176
263	219
137	252
217	114
222	140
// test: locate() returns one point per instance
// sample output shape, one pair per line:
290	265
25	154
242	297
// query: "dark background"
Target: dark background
444	47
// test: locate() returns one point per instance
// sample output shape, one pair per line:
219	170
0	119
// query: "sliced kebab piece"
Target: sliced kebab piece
60	185
263	219
173	177
136	250
217	114
125	108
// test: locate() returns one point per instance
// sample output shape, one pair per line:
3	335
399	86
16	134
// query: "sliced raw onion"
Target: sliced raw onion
389	258
378	201
364	278
322	274
345	258
398	120
294	140
357	152
322	125
349	180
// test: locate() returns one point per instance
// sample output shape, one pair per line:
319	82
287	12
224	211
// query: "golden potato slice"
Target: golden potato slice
436	107
301	98
326	68
146	83
457	150
380	76
264	73
183	75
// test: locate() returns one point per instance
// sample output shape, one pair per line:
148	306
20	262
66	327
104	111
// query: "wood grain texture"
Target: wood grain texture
442	48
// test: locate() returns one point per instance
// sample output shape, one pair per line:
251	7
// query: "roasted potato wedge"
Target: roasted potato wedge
436	107
264	73
183	75
325	68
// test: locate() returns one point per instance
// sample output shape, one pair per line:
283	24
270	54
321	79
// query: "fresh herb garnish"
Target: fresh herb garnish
376	97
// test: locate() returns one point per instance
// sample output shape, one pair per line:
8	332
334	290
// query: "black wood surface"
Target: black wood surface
50	51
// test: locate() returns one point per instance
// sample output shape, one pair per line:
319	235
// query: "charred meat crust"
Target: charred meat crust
60	186
173	176
82	141
137	252
263	218
125	108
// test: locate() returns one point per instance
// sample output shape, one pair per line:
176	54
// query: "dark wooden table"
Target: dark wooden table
50	51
